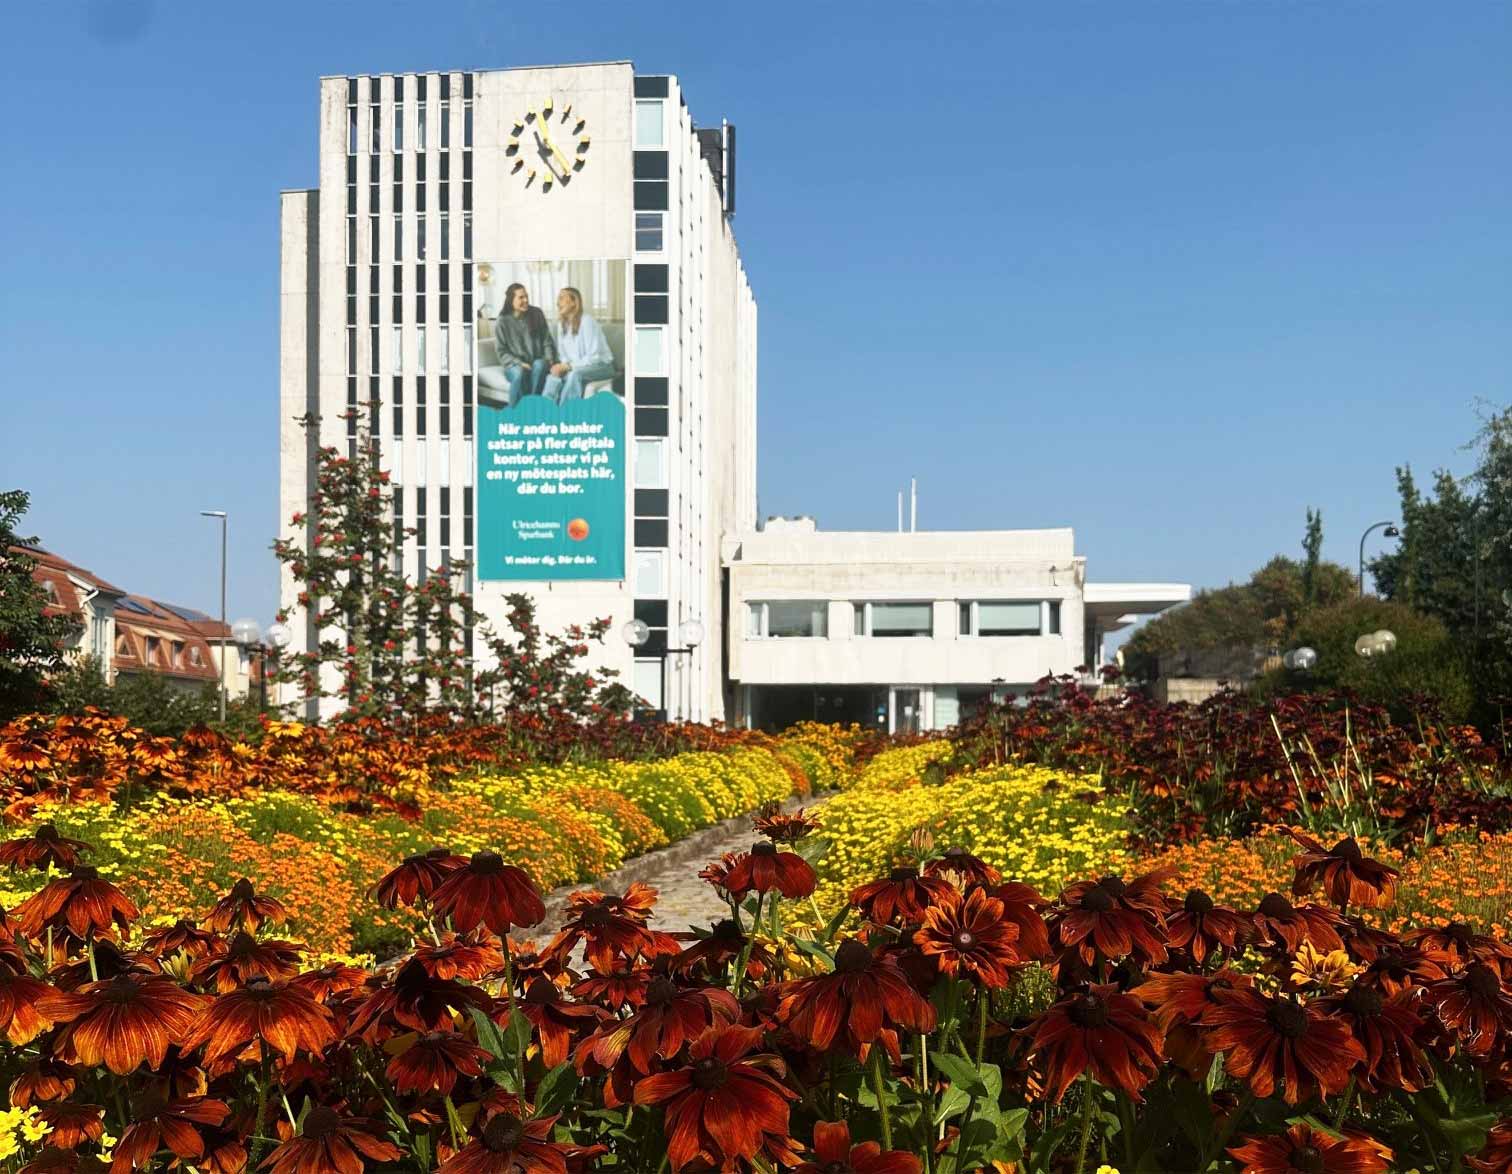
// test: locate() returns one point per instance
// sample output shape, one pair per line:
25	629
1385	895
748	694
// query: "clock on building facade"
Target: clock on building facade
549	146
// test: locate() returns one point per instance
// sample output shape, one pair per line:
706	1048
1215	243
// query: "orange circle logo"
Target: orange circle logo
577	529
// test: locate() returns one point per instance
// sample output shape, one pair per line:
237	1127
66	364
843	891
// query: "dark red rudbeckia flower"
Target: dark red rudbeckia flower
247	958
486	891
327	982
715	871
764	868
1101	1029
180	937
620	988
414	1001
19	1018
1179	1004
722	944
1277	1042
1112	919
969	937
463	957
55	1160
508	1145
865	994
121	1023
259	1018
668	1017
1400	969
725	1104
40	1081
1305	1150
966	868
1365	942
1389	1029
73	1124
1024	907
1281	924
611	929
1202	927
784	828
901	895
1496	1156
434	1063
109	961
331	1144
834	1154
1456	944
555	1020
1347	875
81	903
1474	1005
245	910
42	848
170	1125
416	878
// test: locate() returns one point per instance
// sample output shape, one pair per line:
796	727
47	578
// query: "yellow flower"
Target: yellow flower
1333	969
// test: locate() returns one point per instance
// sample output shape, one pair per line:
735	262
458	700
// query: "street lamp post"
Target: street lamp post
249	638
221	514
691	632
1391	532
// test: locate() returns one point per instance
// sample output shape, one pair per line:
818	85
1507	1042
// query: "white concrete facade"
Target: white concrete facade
906	629
356	285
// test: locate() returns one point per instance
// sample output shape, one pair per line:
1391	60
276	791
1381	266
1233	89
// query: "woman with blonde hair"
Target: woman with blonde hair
583	354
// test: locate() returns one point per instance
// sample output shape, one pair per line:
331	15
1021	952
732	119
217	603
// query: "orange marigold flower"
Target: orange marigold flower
1101	1029
329	1143
244	909
1305	1150
969	936
81	903
122	1022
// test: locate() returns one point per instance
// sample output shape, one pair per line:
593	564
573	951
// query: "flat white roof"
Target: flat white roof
1117	605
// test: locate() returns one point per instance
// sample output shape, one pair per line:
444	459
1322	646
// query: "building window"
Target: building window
444	357
398	364
375	124
420	239
445	236
398	127
373	349
351	350
650	464
467	349
648	123
398	236
649	232
650	350
466	125
650	580
420	127
420	350
787	619
1005	618
467	238
445	125
894	619
351	240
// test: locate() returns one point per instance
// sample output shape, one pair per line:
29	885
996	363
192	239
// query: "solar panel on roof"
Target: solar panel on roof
133	605
185	613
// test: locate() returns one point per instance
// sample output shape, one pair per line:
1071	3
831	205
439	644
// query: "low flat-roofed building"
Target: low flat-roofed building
906	631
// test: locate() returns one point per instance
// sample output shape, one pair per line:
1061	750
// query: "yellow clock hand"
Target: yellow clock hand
546	136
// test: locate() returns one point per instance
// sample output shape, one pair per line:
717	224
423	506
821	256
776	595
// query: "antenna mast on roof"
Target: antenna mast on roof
913	504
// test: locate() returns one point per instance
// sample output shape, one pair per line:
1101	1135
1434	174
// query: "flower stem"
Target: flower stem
1343	1112
1216	1149
1086	1123
258	1139
984	1000
879	1087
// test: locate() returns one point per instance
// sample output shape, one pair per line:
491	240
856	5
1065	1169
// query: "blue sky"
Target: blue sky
1167	272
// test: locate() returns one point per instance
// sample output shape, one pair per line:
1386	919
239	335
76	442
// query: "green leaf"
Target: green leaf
832	927
489	1038
556	1088
812	949
517	1034
956	1097
961	1073
1468	1134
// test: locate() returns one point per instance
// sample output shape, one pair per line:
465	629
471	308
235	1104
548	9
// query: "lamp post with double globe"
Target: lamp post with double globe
637	633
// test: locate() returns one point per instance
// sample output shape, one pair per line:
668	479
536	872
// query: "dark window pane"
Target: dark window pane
420	87
650	421
650	195
651	87
651	309
651	279
351	169
651	391
650	533
467	85
650	165
651	612
351	89
651	503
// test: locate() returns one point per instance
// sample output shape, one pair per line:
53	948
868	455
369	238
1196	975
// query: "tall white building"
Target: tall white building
439	192
608	467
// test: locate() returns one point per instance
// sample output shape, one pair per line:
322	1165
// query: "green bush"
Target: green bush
1426	661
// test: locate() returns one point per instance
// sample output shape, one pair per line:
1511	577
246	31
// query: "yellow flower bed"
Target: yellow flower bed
1037	825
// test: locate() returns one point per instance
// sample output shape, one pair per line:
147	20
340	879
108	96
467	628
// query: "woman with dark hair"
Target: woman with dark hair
525	347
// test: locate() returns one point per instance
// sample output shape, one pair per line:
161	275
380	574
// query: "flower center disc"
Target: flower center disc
503	1133
1307	1159
852	958
964	940
1088	1011
1275	905
1288	1019
709	1074
1198	902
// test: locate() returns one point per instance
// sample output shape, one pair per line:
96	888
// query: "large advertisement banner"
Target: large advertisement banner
550	365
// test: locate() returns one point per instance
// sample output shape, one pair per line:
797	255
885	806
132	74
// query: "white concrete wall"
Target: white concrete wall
942	568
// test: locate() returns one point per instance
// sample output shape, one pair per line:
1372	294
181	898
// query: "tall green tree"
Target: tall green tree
33	644
1312	550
